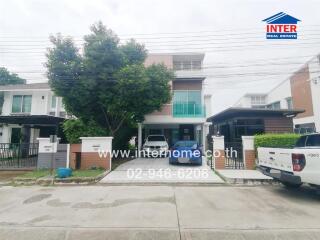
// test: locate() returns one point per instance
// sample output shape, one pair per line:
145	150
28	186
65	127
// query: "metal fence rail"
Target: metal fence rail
18	155
234	155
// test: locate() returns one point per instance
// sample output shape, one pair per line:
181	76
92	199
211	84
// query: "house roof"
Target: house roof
24	87
281	18
254	112
31	120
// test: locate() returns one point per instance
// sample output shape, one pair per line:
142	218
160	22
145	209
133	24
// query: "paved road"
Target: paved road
158	212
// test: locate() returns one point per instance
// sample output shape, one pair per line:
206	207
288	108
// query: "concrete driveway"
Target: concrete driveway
158	170
158	212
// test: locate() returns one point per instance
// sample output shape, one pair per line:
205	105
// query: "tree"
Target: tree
108	83
7	78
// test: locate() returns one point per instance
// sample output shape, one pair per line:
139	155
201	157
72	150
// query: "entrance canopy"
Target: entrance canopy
43	120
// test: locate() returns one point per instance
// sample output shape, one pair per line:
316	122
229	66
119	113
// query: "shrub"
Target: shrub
285	140
76	128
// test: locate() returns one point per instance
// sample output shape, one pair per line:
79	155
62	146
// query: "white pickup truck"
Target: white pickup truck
296	166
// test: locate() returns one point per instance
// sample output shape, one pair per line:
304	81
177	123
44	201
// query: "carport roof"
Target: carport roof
254	112
31	120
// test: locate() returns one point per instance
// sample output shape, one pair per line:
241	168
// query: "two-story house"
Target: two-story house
29	111
184	118
300	91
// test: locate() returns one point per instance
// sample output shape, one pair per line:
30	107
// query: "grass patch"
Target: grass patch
87	173
36	174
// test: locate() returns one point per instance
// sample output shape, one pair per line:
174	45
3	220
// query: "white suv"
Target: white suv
155	146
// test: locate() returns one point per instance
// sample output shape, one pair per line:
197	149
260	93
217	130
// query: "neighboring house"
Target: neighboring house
233	123
300	91
29	111
184	118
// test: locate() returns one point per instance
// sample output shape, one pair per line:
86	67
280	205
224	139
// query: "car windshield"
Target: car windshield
158	138
186	144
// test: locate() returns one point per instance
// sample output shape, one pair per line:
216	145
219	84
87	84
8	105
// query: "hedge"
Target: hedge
285	140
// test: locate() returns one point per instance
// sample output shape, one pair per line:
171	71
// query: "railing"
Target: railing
188	110
234	155
18	155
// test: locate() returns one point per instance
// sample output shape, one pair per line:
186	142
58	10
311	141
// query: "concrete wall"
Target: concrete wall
59	158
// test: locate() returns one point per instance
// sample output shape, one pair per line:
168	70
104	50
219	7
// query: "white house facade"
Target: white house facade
29	111
300	91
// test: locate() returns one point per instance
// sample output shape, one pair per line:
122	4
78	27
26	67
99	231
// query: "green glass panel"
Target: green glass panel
26	106
16	104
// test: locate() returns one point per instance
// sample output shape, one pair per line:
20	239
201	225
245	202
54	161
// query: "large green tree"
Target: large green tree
7	78
107	81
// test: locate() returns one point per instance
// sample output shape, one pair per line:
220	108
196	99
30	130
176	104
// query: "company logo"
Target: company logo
281	26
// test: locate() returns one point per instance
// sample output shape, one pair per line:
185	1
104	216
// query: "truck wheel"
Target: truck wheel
291	185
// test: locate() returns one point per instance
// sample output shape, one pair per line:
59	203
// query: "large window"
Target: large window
258	100
53	102
21	104
187	103
275	105
187	65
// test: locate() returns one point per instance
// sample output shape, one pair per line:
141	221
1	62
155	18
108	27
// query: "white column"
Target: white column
139	136
58	105
205	132
218	147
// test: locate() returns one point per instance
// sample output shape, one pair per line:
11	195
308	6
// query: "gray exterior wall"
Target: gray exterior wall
60	158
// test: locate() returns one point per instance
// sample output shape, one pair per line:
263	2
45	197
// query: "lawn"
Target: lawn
76	173
36	174
87	173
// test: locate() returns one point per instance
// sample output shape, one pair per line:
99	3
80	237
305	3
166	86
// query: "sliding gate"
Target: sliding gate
234	155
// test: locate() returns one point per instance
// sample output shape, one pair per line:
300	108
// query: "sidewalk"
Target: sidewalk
250	177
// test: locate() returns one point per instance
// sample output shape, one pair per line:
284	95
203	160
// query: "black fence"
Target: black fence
234	155
18	155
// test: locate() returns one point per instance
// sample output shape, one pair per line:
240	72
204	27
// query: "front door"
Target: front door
15	135
186	132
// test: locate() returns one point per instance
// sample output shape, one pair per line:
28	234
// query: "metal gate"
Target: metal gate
234	155
18	155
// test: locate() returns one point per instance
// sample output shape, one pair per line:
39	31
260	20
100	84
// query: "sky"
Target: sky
238	58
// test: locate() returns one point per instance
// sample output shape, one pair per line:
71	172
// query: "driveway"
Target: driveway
158	170
158	212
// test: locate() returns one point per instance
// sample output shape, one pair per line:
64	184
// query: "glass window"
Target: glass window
16	104
196	65
301	142
289	103
53	102
21	103
156	138
313	141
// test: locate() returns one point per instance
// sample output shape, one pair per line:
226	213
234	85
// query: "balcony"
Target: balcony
188	110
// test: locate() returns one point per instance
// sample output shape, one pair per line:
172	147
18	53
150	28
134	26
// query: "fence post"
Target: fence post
249	154
218	152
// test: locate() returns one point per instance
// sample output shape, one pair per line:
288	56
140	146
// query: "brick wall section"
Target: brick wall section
73	149
220	161
301	92
89	160
250	157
